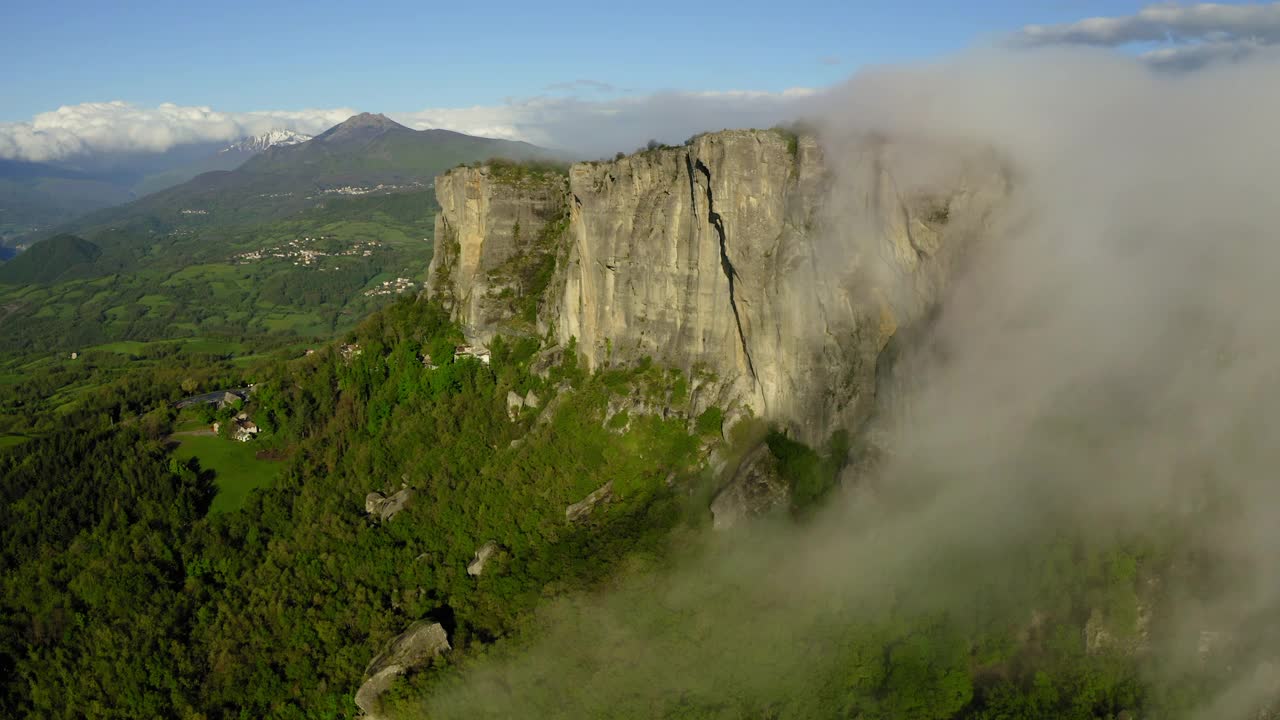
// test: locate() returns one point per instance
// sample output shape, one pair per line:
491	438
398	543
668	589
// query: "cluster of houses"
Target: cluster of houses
350	351
298	251
243	430
358	190
392	287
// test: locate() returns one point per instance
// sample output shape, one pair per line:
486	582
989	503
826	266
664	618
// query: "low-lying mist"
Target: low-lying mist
1091	411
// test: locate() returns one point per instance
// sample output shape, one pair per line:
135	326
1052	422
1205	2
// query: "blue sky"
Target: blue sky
402	56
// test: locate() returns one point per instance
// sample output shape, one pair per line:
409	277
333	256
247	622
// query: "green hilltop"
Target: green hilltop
59	257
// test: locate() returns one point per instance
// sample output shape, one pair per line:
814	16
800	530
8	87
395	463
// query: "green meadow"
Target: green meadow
237	471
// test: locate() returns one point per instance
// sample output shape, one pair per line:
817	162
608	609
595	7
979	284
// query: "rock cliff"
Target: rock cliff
753	258
497	234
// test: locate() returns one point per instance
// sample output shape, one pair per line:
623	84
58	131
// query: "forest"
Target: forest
123	596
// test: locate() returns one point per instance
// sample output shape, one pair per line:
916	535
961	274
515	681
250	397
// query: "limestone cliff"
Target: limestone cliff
496	236
750	256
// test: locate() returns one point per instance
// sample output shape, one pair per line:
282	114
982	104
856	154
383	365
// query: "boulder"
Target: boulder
531	400
583	507
410	649
383	507
515	403
756	489
486	551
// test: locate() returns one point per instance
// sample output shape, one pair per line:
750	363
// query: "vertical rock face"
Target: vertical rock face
675	254
496	236
744	255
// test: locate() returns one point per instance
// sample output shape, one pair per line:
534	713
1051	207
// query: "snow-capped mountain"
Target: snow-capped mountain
254	145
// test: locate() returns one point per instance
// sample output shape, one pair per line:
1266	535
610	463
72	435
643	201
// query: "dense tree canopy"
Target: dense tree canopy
123	597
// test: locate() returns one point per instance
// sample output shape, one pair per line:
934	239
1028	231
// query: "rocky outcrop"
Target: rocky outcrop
497	234
409	650
749	257
756	489
383	507
481	558
515	403
581	509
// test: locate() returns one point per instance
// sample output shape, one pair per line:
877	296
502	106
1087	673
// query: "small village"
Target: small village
358	190
301	254
350	351
391	287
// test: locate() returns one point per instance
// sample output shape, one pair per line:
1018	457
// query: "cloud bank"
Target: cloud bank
120	127
596	128
1192	35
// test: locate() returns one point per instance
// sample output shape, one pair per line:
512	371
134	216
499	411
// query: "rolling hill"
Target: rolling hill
56	258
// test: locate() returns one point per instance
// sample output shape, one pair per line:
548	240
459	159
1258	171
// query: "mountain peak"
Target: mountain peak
370	120
363	126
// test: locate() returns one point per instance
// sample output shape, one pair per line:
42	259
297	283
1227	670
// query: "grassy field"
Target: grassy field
8	441
237	471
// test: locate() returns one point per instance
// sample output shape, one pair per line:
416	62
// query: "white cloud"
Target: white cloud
101	127
595	128
1192	35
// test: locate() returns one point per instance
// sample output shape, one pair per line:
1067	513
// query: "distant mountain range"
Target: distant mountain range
284	174
226	158
34	196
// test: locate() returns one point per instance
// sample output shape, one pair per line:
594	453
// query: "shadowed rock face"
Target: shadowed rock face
746	255
756	489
